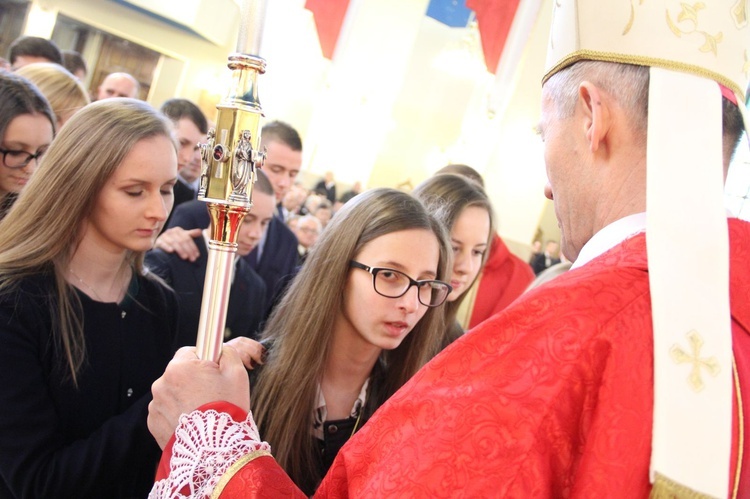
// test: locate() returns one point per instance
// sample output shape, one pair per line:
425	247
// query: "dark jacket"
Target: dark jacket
247	298
58	440
279	258
182	194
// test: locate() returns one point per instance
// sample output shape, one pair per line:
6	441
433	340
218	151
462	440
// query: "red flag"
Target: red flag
495	18
329	16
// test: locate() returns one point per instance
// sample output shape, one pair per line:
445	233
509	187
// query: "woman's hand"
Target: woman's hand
251	352
189	383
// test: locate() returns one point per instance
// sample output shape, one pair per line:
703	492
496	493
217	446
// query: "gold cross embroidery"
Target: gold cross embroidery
681	357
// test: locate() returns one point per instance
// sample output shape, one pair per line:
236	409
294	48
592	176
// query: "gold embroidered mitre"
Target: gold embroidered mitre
690	47
709	39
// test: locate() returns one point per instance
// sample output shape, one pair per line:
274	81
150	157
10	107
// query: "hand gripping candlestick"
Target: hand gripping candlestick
229	160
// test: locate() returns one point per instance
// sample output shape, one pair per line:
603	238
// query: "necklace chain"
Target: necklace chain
87	285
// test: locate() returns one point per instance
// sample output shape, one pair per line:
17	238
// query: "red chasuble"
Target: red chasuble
551	398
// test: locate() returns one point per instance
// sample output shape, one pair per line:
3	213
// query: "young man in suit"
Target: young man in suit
190	128
275	257
283	158
247	300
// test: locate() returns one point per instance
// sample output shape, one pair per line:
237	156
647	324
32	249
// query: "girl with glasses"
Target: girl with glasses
466	212
361	317
27	126
84	331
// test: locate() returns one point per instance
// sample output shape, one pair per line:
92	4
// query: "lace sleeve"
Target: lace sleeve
207	444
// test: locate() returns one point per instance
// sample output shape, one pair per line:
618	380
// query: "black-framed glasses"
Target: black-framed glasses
18	159
394	284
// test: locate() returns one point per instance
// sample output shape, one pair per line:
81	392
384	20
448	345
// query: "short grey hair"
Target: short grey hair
627	83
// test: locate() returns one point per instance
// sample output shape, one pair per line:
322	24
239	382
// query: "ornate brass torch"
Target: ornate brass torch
229	161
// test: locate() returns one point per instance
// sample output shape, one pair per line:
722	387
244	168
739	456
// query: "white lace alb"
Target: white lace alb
206	445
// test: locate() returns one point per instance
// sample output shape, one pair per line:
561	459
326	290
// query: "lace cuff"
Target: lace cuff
207	444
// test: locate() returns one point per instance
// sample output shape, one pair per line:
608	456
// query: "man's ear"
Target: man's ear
596	114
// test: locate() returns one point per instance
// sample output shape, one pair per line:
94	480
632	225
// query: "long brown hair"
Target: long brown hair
42	230
447	195
302	325
18	96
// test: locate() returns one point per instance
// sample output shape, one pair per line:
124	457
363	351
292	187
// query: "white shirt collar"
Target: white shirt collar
193	185
610	236
321	411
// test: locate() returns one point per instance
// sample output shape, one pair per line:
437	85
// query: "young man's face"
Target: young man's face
188	155
255	223
282	166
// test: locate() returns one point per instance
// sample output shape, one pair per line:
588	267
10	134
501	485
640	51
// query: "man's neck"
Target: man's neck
187	182
610	236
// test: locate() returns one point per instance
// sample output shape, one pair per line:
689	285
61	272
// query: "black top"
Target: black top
58	440
247	294
6	203
336	432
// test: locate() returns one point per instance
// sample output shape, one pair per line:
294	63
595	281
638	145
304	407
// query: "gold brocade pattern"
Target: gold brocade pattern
740	14
689	15
632	17
237	466
680	356
594	55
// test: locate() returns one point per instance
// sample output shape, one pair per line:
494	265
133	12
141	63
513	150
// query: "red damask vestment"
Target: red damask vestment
550	398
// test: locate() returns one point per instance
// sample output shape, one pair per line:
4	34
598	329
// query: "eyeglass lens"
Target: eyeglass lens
19	159
394	284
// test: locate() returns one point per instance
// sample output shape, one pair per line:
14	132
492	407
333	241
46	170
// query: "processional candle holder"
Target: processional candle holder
230	158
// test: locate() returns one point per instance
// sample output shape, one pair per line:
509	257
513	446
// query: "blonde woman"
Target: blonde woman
64	91
84	331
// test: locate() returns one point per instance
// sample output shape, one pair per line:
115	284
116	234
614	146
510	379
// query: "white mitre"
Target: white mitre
690	47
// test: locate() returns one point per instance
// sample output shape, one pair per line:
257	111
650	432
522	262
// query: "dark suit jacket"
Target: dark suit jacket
247	296
182	194
329	192
279	258
539	263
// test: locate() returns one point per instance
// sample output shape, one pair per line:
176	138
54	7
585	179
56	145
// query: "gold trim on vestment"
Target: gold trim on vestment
237	466
595	55
665	488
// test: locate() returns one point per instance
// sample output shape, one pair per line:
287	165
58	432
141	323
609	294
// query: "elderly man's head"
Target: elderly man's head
118	85
308	230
